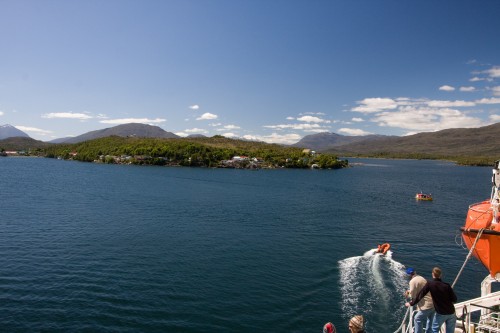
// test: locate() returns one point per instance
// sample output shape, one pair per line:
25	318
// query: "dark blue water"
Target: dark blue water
88	247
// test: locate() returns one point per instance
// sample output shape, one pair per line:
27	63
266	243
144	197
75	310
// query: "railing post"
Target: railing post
486	285
410	322
485	290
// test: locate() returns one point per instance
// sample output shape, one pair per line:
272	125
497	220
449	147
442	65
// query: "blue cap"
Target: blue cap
410	271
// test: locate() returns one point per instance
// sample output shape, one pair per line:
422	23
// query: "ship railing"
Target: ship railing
488	323
407	323
489	316
479	315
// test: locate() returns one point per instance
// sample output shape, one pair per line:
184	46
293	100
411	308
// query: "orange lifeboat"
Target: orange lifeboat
483	219
487	248
383	248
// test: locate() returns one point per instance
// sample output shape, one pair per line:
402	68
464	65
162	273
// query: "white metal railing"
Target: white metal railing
488	323
407	323
488	319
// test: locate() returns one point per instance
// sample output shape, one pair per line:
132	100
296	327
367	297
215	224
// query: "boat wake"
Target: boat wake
373	285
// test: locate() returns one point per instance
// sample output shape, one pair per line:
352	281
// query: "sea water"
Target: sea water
115	248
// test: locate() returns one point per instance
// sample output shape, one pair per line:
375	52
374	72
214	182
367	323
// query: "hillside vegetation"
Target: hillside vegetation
124	130
467	146
471	146
209	152
24	143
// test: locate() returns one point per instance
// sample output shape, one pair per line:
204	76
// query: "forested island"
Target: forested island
217	151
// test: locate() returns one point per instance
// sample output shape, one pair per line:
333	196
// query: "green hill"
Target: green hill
23	143
475	146
124	130
216	151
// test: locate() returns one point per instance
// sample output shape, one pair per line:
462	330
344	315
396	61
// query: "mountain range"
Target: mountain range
8	131
450	142
329	141
125	130
454	142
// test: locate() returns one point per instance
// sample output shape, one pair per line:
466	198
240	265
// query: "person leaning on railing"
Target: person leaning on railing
443	298
425	308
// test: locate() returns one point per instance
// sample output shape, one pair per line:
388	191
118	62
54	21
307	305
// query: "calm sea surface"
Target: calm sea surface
110	248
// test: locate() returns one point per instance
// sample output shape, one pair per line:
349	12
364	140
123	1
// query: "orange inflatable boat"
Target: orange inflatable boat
383	248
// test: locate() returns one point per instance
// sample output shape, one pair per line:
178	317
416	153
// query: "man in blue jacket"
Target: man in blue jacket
443	298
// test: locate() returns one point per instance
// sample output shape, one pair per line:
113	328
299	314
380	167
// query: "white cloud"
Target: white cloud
229	135
195	130
467	89
371	105
493	72
275	138
189	132
133	120
11	111
231	127
353	131
316	113
222	129
496	90
447	104
207	116
492	100
311	119
251	137
32	130
405	101
214	124
194	107
304	127
407	117
318	130
423	115
425	119
446	88
67	115
290	118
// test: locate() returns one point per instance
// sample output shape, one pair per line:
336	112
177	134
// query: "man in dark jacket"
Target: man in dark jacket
443	298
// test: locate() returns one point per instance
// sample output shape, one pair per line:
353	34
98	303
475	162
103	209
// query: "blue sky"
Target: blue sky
273	70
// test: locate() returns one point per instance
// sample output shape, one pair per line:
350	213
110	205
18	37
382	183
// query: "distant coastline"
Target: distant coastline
467	146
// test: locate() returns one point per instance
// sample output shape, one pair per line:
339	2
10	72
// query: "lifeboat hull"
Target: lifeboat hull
480	216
